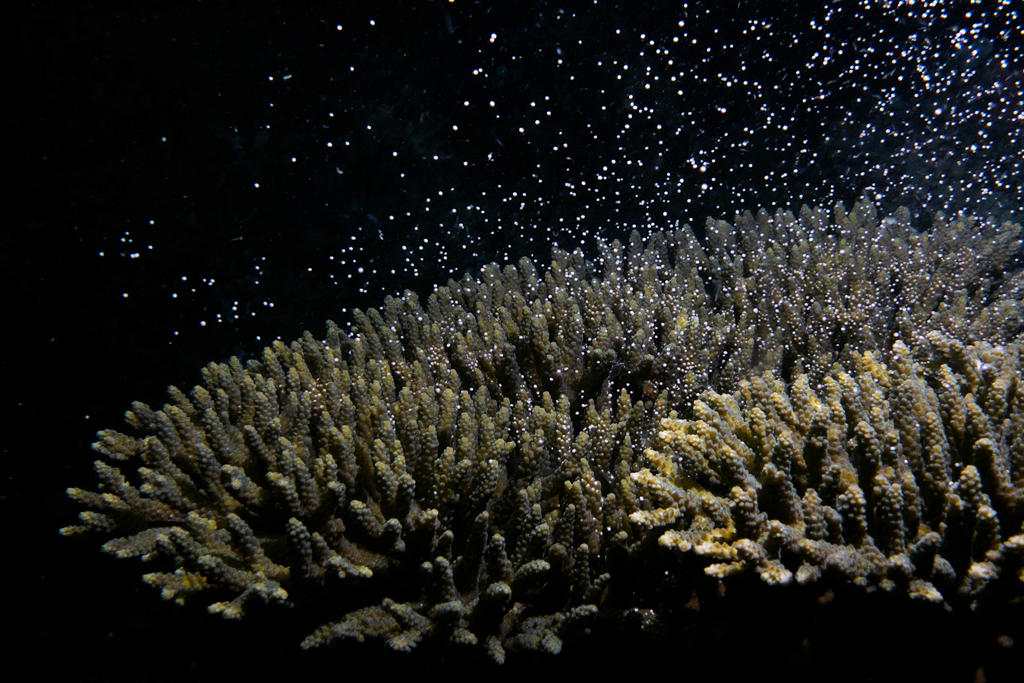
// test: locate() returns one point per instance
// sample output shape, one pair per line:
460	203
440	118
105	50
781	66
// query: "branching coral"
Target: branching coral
511	461
890	477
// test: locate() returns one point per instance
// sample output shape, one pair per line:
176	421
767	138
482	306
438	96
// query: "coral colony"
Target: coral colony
830	398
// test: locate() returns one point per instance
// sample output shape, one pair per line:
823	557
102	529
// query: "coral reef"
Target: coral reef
822	398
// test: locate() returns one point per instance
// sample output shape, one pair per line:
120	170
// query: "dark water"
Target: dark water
194	180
